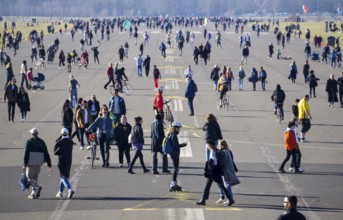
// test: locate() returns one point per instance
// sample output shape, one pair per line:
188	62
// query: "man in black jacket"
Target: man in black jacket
290	205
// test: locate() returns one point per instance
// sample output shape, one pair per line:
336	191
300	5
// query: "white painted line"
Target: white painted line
168	85
176	85
155	32
185	151
180	105
184	214
175	105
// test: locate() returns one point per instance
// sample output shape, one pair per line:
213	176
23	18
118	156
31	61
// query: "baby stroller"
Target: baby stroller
315	56
38	81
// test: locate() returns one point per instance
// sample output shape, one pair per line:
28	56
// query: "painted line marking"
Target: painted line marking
140	209
185	151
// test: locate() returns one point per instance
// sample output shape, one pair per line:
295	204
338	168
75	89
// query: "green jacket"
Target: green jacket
35	144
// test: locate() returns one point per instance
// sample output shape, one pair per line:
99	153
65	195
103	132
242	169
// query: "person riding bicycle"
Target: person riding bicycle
223	87
278	97
158	102
119	74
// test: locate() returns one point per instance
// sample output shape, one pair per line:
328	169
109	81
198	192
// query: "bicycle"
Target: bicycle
92	157
224	103
279	115
127	88
81	62
168	115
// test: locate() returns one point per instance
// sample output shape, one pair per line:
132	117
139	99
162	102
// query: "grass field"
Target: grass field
316	28
21	25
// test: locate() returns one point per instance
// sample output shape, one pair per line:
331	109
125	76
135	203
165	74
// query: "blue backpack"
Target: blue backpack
167	145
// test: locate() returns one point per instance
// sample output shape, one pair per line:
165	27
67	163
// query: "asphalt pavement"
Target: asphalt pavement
249	125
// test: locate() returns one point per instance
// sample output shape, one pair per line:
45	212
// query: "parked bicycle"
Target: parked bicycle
168	118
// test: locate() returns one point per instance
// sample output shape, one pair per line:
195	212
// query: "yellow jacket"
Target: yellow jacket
303	106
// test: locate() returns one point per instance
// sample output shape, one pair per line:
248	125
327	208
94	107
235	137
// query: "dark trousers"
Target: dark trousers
110	79
104	150
340	95
155	161
82	132
61	63
312	89
24	79
297	160
124	148
76	132
220	185
147	70
96	58
288	156
196	59
176	162
11	110
138	154
190	104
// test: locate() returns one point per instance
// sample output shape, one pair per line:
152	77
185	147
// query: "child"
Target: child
295	109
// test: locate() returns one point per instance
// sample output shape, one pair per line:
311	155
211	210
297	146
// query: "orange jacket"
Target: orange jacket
290	141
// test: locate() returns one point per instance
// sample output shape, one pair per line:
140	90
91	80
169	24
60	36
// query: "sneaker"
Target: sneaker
301	169
291	170
156	172
82	148
166	171
226	202
59	195
231	203
120	165
38	192
304	140
71	194
221	200
89	147
282	170
298	171
146	171
31	196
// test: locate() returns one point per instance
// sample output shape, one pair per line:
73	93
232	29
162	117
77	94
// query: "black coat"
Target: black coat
64	150
157	136
291	214
24	102
212	131
67	118
121	133
331	89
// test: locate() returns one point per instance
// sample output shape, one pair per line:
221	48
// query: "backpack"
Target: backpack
241	74
195	87
263	74
167	146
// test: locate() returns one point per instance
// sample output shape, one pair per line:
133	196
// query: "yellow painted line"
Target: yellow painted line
196	135
223	209
140	209
170	67
174	97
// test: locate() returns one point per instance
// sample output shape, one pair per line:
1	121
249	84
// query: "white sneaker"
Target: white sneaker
31	196
89	147
301	169
82	148
220	200
226	202
120	165
59	195
71	194
291	170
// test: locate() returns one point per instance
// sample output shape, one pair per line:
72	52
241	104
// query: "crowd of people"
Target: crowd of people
108	121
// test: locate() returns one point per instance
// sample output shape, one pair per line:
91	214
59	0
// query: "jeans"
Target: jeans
73	97
240	81
176	162
220	185
155	161
139	70
228	188
64	182
215	83
263	84
207	155
190	104
24	79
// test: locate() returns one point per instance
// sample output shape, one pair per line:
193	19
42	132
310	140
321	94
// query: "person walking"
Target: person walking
110	74
290	205
139	64
121	136
72	88
212	132
104	127
137	141
83	119
306	71
35	155
67	116
23	71
229	171
331	89
157	75
241	76
215	76
9	73
304	116
312	83
340	86
253	78
245	54
157	136
29	77
121	54
291	147
64	150
293	71
229	77
61	58
263	78
95	54
146	65
11	94
158	102
116	106
23	103
271	51
190	91
213	173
